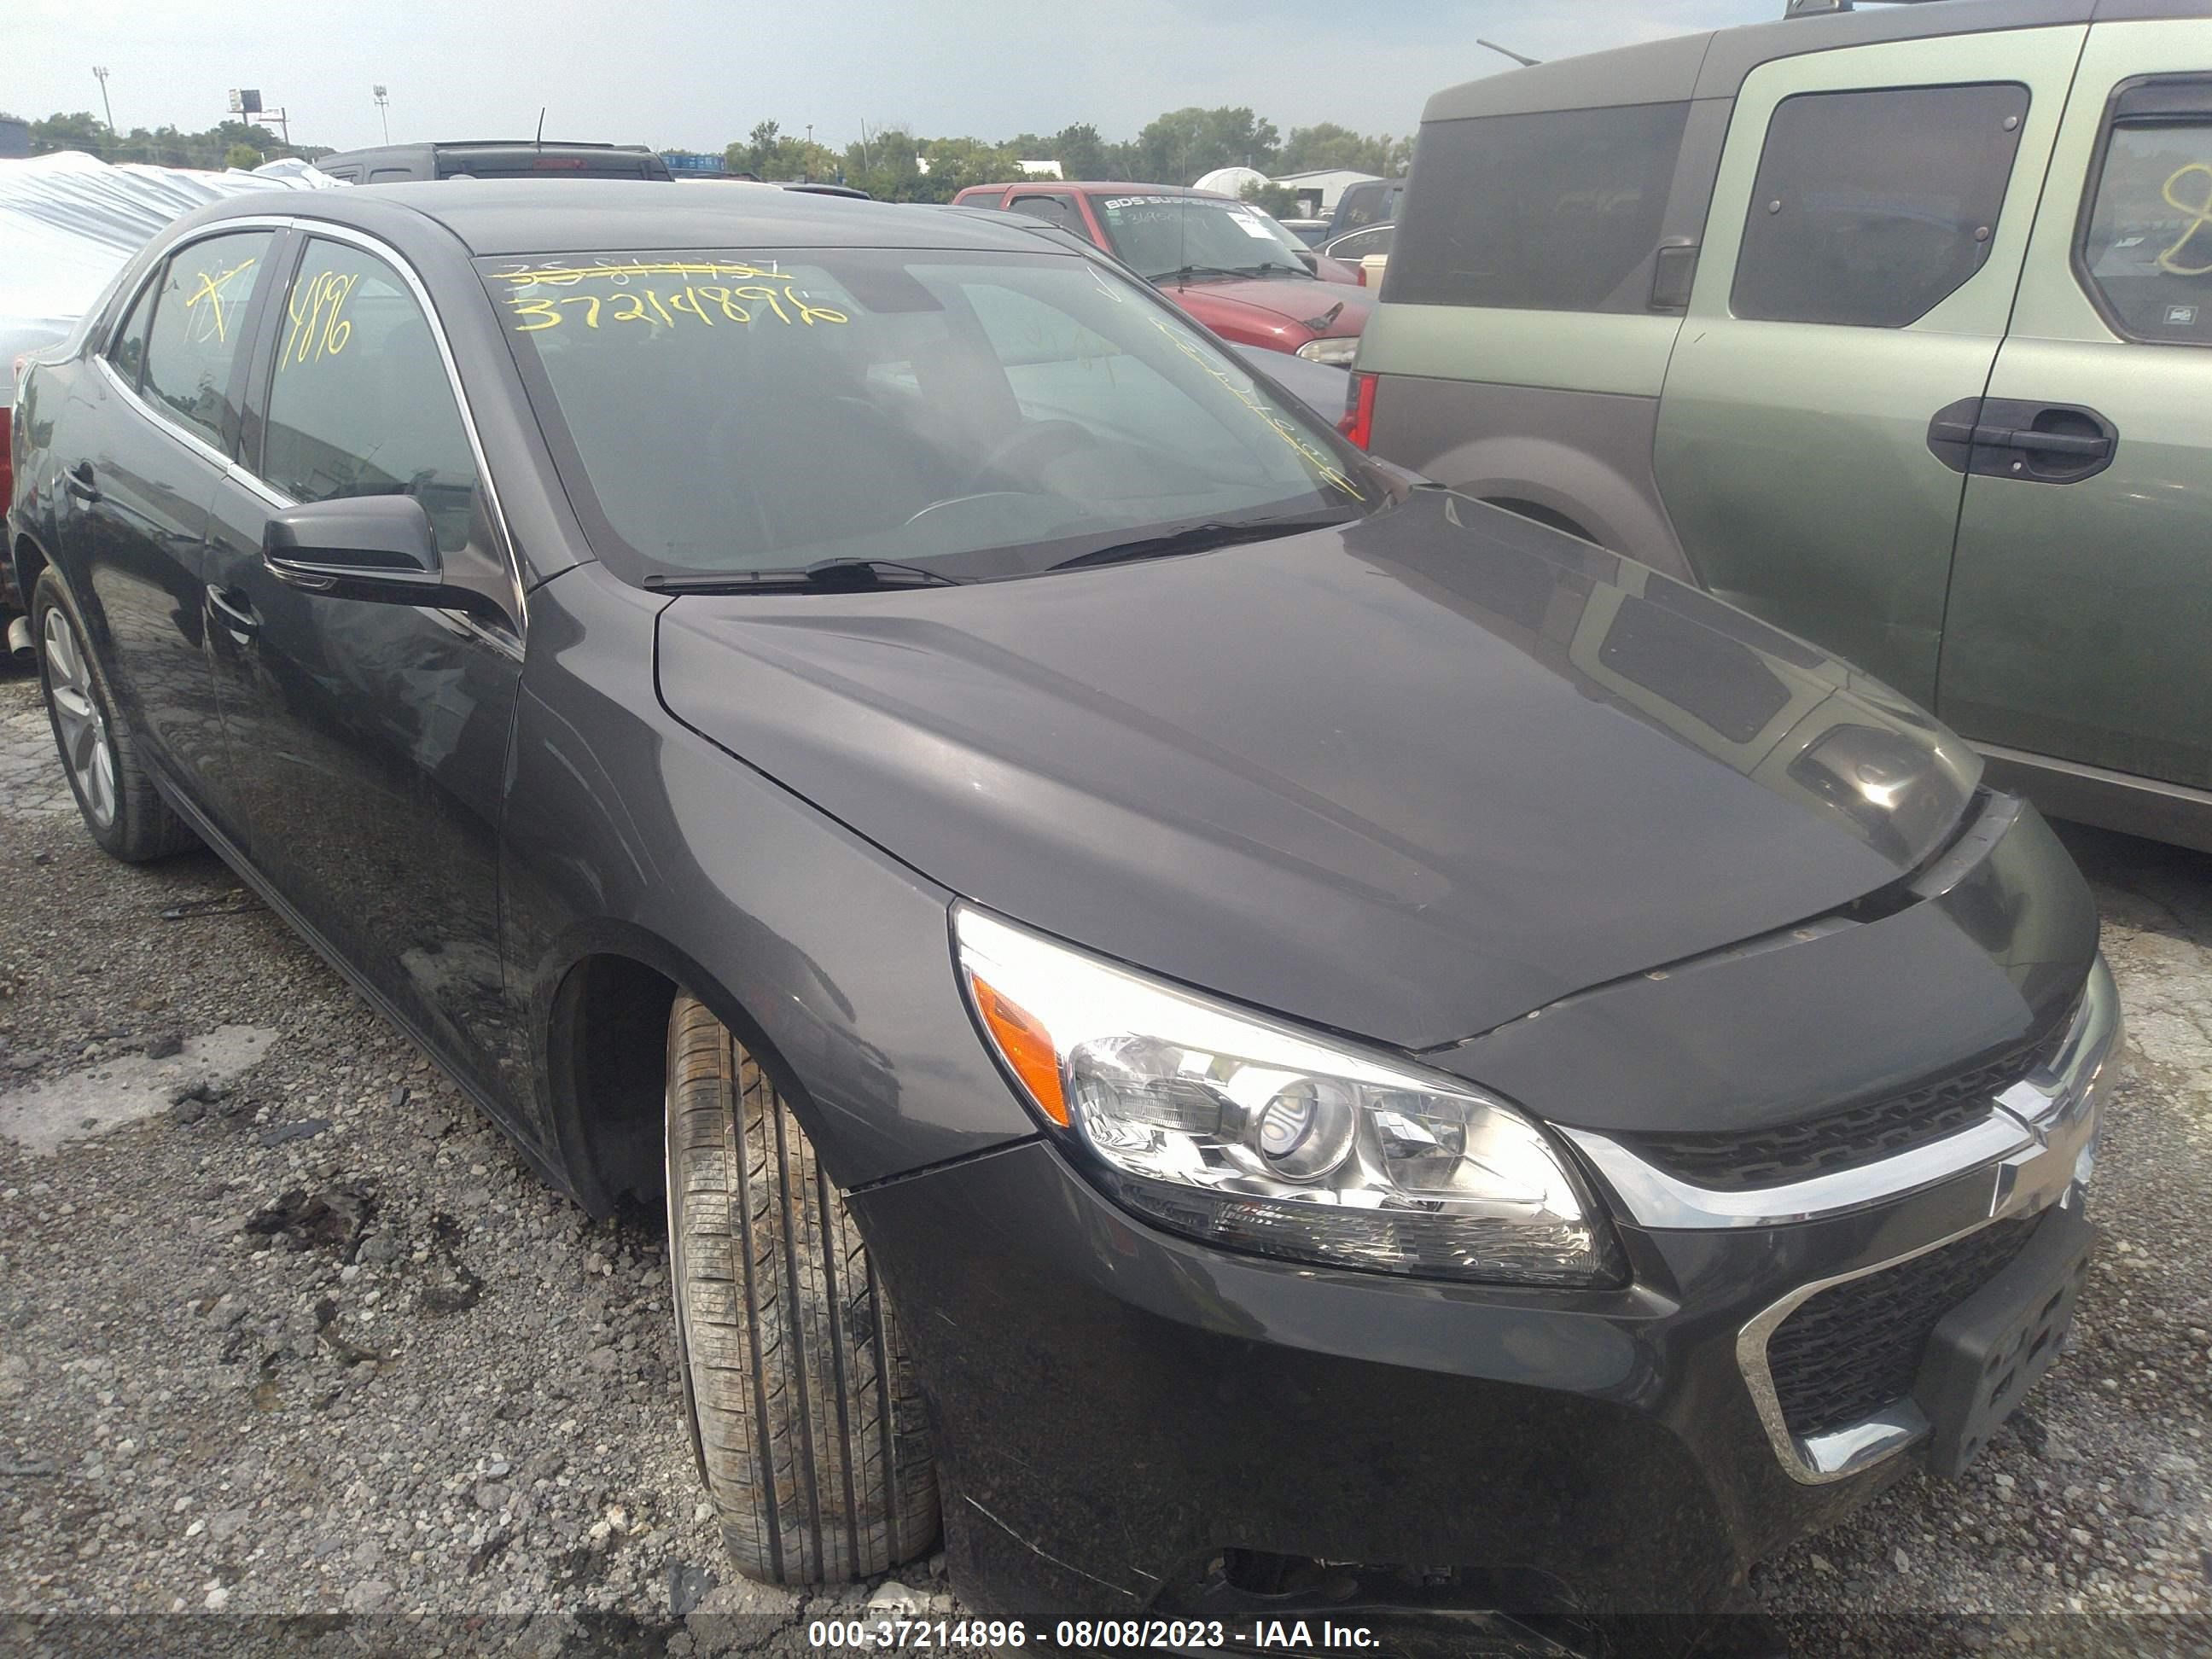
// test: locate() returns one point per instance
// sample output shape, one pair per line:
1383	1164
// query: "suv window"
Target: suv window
360	404
2147	249
1871	206
1557	210
200	306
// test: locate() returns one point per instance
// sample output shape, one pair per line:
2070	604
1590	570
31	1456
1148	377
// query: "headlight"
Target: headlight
1250	1135
1337	351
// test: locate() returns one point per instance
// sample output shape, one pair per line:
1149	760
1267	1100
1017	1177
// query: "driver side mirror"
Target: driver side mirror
359	547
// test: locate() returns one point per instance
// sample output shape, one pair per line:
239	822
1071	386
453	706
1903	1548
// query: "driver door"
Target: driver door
371	737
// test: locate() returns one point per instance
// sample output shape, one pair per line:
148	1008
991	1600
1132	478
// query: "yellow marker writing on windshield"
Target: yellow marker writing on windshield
633	300
2199	215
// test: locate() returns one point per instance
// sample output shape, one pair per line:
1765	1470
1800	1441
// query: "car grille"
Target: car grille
1855	1347
1856	1134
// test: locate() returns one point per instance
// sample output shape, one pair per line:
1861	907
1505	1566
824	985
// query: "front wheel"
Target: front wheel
806	1416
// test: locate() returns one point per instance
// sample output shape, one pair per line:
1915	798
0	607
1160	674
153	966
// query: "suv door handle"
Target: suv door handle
78	481
2008	438
235	612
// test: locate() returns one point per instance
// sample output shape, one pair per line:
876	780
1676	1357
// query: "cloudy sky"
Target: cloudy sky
697	73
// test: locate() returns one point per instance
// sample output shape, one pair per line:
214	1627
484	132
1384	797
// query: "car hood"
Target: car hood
1269	302
1408	779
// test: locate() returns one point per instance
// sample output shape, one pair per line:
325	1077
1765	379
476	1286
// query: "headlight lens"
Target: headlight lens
1250	1135
1336	351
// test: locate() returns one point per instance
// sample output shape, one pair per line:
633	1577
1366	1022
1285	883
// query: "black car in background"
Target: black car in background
492	158
1241	1032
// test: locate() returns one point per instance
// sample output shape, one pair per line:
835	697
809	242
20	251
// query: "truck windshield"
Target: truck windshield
977	415
1157	236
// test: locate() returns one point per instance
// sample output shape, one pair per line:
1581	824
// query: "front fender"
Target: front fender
630	834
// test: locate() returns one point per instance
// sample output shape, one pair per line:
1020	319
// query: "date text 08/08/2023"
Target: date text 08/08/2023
1086	1635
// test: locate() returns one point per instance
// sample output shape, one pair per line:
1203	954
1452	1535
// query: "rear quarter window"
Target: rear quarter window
1557	210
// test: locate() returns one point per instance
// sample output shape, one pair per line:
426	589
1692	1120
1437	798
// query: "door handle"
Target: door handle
2010	438
78	481
235	612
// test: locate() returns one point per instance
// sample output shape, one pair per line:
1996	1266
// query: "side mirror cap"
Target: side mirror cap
358	547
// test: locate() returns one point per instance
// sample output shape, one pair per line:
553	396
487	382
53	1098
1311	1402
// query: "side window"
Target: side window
1359	244
1053	210
200	306
2146	246
360	404
1557	210
391	175
128	350
1872	206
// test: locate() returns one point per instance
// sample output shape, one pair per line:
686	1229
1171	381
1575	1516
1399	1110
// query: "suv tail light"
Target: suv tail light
1358	422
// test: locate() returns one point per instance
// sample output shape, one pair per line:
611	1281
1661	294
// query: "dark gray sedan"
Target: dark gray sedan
1234	1029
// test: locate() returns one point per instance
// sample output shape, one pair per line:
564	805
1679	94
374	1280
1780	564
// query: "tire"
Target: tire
805	1417
99	749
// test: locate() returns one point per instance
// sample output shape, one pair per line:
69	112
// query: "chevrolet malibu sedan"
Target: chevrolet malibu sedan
1231	1028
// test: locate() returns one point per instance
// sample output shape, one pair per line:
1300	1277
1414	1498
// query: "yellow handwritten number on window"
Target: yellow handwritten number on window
2199	215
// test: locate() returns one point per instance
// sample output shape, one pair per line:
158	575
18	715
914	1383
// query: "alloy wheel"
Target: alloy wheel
87	749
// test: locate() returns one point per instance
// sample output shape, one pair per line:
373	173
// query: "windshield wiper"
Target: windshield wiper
825	576
1270	268
1201	538
1186	272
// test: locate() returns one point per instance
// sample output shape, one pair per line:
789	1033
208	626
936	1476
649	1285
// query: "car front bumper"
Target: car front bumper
1115	1406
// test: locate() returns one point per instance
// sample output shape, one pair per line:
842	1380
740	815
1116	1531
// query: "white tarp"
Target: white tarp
69	221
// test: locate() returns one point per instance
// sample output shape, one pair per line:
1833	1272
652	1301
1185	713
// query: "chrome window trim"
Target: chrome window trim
2064	1102
392	256
191	440
2014	1130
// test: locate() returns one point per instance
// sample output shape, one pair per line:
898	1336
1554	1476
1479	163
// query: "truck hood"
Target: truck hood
1273	306
1408	778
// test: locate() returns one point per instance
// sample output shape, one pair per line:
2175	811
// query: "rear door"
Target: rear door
1868	225
141	458
2082	602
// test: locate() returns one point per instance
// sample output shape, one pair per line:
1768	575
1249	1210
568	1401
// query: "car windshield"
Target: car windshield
975	414
1157	236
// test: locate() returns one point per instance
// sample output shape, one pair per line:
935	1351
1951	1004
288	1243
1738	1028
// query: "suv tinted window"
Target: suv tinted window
200	306
1872	206
361	404
1554	211
2146	250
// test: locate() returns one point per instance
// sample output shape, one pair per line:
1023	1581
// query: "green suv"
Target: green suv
1891	326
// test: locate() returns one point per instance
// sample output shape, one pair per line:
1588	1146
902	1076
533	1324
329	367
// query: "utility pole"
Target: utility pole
99	74
377	92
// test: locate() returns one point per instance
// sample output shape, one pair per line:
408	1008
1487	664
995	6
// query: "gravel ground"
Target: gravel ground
287	1328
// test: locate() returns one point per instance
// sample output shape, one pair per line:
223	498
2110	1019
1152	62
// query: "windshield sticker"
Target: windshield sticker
214	323
1249	223
317	328
660	293
2199	215
1320	460
1146	201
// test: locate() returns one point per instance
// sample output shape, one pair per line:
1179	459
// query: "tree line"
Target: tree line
895	164
892	162
228	144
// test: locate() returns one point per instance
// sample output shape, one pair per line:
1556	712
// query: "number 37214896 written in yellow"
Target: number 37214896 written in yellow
664	294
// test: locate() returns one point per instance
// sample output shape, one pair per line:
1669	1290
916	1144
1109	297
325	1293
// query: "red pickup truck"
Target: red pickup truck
1224	262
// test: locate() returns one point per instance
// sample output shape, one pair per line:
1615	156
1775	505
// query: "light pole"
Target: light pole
377	92
99	74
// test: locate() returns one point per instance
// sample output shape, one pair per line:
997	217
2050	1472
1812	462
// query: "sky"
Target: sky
695	74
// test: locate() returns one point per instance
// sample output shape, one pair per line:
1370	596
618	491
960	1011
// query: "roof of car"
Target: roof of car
1713	64
494	216
1103	186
